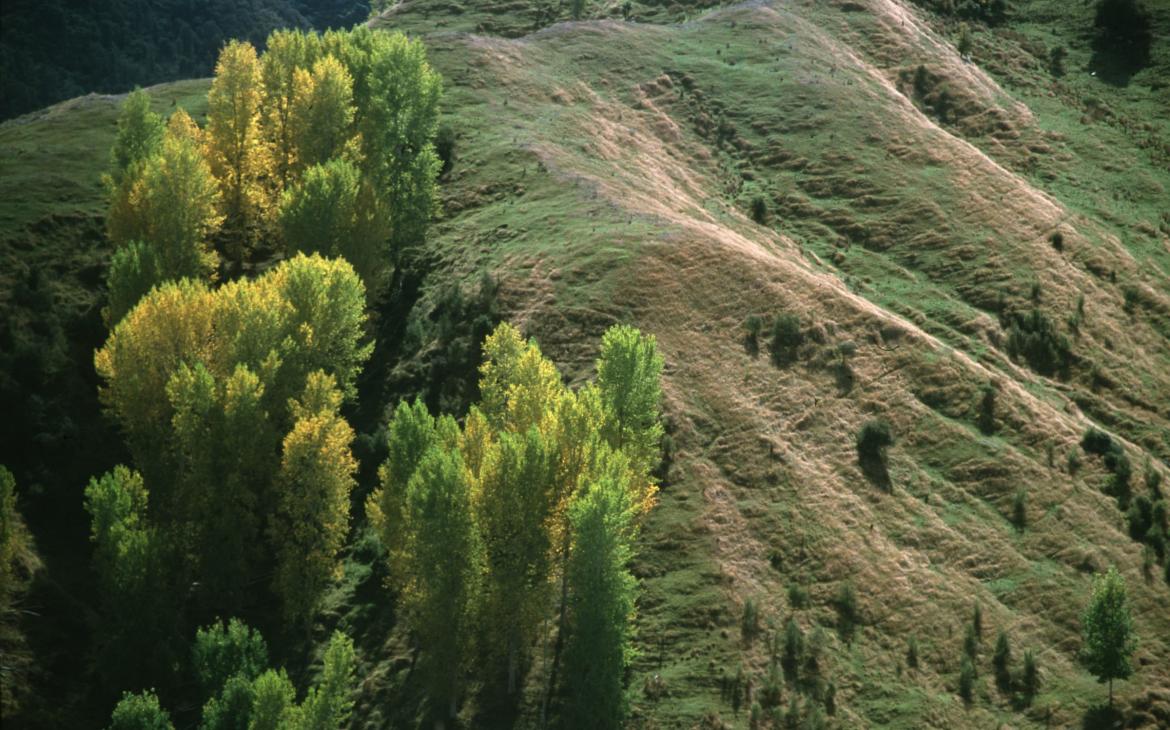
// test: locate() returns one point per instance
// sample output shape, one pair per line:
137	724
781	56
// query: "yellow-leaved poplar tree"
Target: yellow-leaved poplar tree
239	155
322	112
312	491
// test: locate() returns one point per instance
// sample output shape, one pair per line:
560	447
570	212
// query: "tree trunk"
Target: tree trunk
1111	693
559	644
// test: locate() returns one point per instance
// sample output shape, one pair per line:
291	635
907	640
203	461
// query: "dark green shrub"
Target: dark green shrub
1056	67
848	615
750	624
1033	337
966	42
1020	510
786	338
977	621
873	439
970	643
1001	660
1030	680
752	326
912	652
967	680
793	649
1097	442
797	596
445	147
772	692
831	698
987	408
759	209
1139	517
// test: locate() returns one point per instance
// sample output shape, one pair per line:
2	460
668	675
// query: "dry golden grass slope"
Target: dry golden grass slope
604	172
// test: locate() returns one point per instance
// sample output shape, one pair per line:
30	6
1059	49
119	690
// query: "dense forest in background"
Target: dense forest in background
52	50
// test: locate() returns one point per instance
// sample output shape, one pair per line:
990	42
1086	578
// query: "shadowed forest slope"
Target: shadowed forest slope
940	226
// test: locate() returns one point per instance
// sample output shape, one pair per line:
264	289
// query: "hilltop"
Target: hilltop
682	171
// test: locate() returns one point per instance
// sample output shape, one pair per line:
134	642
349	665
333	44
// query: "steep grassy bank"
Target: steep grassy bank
606	171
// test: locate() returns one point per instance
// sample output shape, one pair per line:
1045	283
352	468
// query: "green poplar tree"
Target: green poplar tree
1108	631
441	568
601	599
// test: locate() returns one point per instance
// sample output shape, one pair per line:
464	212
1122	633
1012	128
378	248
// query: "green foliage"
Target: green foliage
139	712
409	436
1030	680
18	563
329	212
274	704
207	437
514	501
441	569
225	650
977	620
1001	660
912	652
576	7
759	209
134	271
311	517
236	149
1108	631
786	338
750	622
396	96
1020	510
1033	337
140	133
231	709
322	112
753	325
966	42
967	679
629	372
601	597
793	649
135	577
873	439
797	596
445	140
987	408
848	614
328	705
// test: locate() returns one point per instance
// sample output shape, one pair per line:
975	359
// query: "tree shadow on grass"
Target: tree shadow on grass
1101	717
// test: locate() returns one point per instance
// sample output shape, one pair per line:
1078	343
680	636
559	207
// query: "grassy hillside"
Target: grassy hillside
608	170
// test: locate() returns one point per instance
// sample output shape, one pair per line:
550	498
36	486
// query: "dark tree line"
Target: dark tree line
52	50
